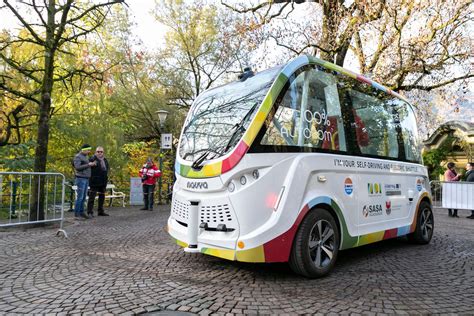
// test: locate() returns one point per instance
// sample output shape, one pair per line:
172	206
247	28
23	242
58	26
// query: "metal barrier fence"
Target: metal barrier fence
454	195
32	198
123	186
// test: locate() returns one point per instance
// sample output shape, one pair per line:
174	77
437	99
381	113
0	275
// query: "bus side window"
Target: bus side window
361	131
375	130
315	121
406	121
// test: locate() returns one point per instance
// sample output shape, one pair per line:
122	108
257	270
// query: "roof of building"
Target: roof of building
464	126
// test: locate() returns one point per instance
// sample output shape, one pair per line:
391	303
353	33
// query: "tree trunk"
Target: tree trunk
41	152
341	54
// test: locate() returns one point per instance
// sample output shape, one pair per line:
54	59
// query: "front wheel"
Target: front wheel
316	245
424	225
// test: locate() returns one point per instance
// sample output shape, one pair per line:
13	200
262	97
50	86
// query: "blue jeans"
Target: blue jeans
82	185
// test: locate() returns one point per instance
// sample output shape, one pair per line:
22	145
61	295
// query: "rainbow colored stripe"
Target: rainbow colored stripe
279	248
229	161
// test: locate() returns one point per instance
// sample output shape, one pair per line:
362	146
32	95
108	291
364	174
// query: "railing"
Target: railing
454	195
31	198
123	186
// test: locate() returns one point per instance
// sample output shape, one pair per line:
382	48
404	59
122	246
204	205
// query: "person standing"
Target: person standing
470	178
149	173
98	182
82	170
451	175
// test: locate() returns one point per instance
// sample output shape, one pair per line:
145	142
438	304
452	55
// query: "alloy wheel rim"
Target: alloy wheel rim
426	223
321	243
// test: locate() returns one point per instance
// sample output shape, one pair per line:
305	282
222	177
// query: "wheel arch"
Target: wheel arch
279	248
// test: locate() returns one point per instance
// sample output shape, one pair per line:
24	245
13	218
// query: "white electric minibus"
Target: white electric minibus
295	163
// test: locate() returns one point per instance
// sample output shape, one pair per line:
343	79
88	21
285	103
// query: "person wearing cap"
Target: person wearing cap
98	182
82	170
149	173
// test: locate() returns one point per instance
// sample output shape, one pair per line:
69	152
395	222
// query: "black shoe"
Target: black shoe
102	214
450	213
144	209
471	216
84	216
151	209
91	215
456	215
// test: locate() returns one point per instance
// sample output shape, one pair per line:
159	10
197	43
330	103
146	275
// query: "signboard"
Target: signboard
166	140
458	195
136	192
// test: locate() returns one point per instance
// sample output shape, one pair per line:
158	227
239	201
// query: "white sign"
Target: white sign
166	140
458	195
136	191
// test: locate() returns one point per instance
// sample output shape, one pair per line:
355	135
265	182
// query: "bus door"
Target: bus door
383	200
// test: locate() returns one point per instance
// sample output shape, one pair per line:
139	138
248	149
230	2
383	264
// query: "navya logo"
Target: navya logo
197	185
374	188
348	187
372	210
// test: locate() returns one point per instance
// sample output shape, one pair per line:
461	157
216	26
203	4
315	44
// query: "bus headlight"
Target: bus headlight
231	186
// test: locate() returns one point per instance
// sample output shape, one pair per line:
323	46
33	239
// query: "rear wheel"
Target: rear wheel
424	225
316	245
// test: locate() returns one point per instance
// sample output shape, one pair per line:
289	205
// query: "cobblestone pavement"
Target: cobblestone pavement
126	263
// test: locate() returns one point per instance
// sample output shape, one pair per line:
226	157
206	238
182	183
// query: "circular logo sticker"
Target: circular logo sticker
419	187
348	187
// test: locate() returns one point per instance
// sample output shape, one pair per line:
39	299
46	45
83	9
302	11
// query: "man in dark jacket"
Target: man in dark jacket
470	178
98	182
82	170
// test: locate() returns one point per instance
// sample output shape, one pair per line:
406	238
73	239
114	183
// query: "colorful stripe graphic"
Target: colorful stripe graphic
279	248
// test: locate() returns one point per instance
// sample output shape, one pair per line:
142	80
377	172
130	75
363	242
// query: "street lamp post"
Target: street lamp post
162	117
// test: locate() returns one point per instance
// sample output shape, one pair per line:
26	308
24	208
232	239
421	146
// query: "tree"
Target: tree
407	45
203	45
55	29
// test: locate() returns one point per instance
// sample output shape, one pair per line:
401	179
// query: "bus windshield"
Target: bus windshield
219	117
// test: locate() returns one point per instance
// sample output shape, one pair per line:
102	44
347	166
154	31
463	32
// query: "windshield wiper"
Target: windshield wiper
239	127
199	160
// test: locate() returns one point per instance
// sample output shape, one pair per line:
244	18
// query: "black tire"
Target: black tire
424	225
316	245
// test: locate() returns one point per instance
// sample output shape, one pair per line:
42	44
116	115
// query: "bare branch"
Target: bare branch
434	86
25	24
27	96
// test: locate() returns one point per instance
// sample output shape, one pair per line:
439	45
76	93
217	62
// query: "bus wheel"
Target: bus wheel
316	245
424	225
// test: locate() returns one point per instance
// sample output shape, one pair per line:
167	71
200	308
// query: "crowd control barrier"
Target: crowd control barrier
32	198
453	195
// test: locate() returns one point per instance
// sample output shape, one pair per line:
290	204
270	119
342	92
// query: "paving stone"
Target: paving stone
127	264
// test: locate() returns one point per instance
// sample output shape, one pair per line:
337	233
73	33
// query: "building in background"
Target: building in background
456	139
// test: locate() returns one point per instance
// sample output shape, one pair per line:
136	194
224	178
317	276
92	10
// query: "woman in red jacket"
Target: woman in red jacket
149	173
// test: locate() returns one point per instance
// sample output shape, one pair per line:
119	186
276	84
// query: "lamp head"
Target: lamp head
162	114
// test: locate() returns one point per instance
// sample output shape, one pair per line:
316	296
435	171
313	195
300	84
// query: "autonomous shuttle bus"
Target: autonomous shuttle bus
295	163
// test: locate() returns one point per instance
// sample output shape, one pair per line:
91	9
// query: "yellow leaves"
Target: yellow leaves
191	29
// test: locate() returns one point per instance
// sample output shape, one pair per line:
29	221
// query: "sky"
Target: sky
145	22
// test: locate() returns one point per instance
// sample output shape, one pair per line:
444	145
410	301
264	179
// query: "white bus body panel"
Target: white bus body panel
372	195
